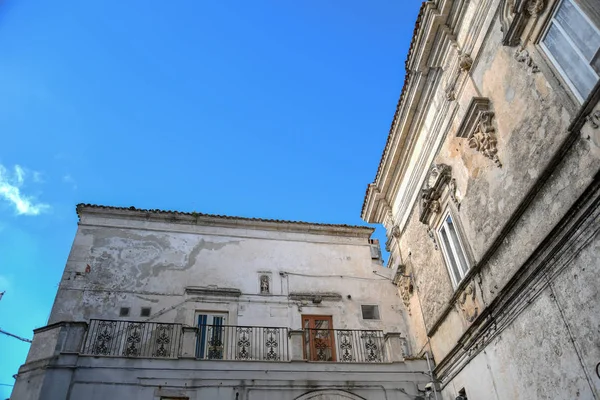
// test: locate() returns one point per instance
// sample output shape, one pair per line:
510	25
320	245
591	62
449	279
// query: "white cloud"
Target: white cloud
20	174
69	179
10	190
38	177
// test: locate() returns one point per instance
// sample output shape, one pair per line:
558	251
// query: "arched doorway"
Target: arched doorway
329	395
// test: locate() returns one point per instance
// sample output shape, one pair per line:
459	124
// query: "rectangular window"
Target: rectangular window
453	250
210	342
572	42
370	312
145	311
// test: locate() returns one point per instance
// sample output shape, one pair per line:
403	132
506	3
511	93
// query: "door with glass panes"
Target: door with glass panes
319	341
210	340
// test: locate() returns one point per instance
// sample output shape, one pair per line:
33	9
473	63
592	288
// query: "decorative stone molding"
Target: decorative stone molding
404	283
453	188
213	291
438	178
514	17
477	128
594	119
450	93
393	233
432	237
468	303
522	56
319	296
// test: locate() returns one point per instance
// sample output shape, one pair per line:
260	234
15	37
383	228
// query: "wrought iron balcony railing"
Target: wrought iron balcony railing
132	339
229	342
249	343
344	345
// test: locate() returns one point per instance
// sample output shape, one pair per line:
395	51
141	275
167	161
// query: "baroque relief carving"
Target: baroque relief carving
438	178
468	302
534	7
465	62
594	119
514	17
405	285
522	56
478	129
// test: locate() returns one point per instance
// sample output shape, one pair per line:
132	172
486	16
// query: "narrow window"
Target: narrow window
572	42
124	312
453	250
370	312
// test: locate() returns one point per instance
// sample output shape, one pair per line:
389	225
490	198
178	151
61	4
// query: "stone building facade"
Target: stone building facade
489	189
167	305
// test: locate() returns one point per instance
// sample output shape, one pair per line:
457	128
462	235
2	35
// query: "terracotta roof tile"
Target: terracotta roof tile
80	206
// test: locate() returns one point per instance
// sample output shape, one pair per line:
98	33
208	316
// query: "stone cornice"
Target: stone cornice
186	218
434	34
212	291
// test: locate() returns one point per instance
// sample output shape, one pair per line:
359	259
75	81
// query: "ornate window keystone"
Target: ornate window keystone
477	128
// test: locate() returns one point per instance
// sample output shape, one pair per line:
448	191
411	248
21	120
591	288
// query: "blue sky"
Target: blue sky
273	109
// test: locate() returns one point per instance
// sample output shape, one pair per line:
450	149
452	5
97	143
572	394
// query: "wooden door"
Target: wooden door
319	341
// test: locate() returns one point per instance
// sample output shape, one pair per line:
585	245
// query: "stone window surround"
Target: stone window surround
456	281
534	55
545	54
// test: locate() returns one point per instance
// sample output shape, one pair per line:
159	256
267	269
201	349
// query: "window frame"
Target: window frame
561	72
463	270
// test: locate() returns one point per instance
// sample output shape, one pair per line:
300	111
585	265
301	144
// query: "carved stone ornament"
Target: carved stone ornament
432	237
438	178
465	62
453	188
514	16
477	128
468	302
405	285
594	119
534	7
264	284
522	56
393	233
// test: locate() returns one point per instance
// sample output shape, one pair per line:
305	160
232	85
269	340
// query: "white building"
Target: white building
162	305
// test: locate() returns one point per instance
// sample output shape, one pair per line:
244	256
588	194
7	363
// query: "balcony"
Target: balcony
109	338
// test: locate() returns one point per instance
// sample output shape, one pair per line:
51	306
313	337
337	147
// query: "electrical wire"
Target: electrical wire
15	336
334	276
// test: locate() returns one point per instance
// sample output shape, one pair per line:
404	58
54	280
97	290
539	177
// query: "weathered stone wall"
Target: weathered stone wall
532	114
127	263
551	349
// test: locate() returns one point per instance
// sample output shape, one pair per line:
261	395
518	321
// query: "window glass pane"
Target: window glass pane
577	71
579	29
464	266
450	256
